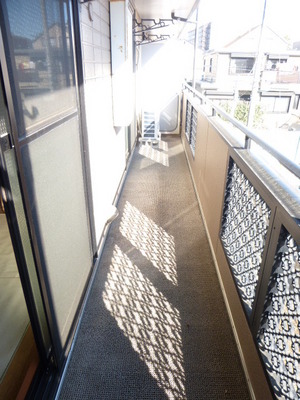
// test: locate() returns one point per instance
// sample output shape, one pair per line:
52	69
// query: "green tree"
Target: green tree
242	110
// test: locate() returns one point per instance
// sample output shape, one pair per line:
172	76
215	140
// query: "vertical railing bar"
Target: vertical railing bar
247	142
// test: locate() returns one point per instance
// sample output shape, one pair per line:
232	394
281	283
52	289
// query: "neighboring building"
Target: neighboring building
228	73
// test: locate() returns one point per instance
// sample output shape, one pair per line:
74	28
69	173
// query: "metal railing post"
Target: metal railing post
247	142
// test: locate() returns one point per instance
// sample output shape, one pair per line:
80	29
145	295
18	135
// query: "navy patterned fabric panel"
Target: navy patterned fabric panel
278	336
244	227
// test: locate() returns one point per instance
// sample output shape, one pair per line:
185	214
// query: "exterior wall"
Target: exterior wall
208	75
222	69
106	143
227	81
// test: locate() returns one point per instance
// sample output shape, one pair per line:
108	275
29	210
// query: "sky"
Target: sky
231	18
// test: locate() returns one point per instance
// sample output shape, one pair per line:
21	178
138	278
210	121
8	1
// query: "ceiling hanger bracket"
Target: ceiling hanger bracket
141	29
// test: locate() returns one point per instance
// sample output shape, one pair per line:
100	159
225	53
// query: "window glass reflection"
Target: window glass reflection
41	42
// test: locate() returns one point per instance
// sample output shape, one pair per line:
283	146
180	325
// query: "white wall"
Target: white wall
106	144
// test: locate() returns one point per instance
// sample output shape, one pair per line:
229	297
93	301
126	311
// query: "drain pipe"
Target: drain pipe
112	214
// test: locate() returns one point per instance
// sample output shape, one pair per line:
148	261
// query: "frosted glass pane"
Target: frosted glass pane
22	224
11	290
53	169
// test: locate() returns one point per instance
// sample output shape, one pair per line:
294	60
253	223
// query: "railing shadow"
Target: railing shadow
148	320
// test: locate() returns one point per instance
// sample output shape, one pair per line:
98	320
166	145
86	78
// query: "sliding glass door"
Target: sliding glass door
23	345
41	85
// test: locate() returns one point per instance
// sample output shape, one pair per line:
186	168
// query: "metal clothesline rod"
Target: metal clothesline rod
150	29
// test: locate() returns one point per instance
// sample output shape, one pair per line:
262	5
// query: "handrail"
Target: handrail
249	134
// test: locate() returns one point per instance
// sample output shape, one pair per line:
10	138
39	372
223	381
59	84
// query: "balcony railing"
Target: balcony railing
259	232
271	76
248	133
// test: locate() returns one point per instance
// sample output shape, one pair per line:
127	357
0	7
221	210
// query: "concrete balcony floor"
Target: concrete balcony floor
155	324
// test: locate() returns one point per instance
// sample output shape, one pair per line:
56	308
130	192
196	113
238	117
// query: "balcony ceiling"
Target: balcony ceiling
162	9
155	9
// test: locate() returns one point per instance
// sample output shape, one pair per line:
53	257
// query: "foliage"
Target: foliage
241	112
258	116
226	106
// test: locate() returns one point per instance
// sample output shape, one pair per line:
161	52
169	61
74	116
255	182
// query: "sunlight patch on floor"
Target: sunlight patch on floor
157	153
149	321
152	241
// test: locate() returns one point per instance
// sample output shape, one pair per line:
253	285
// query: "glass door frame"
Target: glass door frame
56	360
45	354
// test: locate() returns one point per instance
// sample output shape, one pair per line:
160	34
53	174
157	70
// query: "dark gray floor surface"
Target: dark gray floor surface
155	324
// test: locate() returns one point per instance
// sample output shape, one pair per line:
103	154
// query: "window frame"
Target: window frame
235	69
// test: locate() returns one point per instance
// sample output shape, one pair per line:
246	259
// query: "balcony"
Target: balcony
202	218
281	77
192	292
155	323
